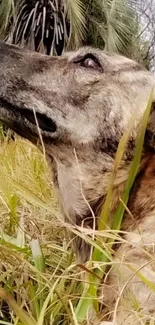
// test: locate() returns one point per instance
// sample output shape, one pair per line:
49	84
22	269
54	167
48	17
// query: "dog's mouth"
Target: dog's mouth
38	119
26	122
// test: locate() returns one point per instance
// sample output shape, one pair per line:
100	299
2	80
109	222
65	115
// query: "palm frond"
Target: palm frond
6	10
51	26
112	24
48	25
76	16
121	24
41	26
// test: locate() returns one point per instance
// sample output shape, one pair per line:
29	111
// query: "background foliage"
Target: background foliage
51	26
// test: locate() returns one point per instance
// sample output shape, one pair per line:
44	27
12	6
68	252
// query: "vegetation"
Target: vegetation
40	281
51	26
37	282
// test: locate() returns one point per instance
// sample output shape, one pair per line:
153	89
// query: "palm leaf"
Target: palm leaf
50	26
46	25
76	16
111	24
120	22
6	10
40	26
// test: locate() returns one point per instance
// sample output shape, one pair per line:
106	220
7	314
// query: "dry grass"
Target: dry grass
39	278
40	283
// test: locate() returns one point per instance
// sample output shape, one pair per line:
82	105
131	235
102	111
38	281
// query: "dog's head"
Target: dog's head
80	104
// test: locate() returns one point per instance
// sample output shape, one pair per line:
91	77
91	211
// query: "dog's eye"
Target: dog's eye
89	61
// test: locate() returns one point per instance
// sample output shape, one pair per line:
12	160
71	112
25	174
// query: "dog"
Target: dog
78	106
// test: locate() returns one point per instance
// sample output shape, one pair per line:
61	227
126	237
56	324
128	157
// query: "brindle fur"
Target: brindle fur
82	113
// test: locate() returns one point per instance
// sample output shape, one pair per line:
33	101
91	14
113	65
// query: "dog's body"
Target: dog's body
83	103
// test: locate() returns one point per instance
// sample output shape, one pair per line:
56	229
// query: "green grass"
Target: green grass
89	298
39	278
38	274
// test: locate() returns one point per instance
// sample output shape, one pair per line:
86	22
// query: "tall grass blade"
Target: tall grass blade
90	295
134	166
40	266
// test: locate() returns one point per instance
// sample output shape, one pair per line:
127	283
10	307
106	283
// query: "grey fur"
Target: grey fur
83	107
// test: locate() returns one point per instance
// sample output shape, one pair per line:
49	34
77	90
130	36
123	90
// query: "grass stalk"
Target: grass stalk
89	297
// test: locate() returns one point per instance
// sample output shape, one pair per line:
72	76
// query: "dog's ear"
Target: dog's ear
150	131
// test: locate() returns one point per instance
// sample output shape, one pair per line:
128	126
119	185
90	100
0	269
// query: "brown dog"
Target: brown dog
82	103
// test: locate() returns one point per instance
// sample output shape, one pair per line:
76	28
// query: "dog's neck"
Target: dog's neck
142	200
81	213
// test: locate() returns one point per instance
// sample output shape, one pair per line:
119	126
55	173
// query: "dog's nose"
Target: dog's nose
45	123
